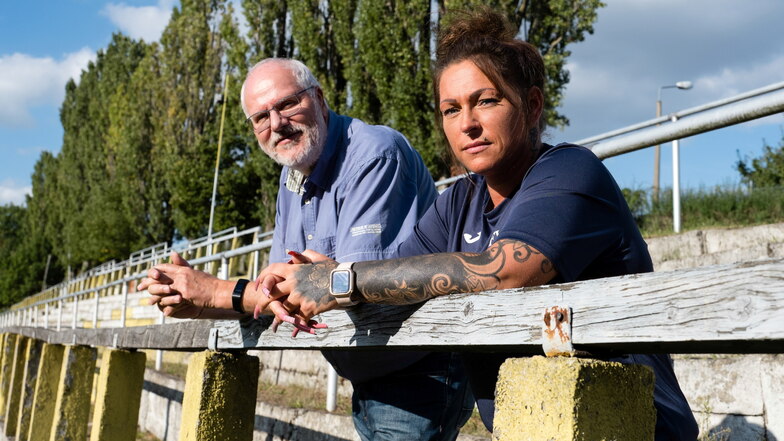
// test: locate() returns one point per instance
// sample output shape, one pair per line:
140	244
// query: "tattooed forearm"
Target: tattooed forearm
416	279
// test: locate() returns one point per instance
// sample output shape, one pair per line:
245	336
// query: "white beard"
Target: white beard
309	148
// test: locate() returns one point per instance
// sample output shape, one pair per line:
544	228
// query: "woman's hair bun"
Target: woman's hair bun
481	22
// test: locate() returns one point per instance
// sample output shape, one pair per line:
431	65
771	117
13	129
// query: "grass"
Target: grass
721	206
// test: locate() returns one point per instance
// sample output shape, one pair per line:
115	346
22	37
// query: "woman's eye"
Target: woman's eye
488	101
449	111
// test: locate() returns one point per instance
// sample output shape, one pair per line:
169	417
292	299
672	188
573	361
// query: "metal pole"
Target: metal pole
75	312
124	303
657	156
95	311
332	388
159	353
217	159
676	184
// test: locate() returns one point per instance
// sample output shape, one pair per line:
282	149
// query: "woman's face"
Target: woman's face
485	131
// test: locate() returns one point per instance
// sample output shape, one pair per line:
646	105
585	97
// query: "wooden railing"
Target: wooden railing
720	309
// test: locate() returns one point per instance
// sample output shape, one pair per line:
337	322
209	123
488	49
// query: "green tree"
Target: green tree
23	255
373	58
93	229
766	170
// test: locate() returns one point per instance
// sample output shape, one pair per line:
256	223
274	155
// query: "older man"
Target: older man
352	192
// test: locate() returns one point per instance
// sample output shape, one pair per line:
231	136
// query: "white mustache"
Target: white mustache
285	132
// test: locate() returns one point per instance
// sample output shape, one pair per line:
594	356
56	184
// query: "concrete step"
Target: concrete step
716	246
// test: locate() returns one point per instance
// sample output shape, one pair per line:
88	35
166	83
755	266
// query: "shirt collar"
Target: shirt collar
324	170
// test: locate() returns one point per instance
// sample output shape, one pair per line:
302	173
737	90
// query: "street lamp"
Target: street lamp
683	85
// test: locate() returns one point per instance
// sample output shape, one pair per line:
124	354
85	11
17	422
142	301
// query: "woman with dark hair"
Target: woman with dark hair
530	214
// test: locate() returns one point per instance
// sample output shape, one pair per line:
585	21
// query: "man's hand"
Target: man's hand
178	290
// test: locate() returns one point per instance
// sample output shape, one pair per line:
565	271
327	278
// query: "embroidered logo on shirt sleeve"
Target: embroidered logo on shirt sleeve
366	229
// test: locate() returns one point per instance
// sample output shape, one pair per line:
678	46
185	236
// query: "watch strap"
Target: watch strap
237	294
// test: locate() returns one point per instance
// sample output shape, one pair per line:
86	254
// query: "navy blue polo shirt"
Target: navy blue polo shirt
363	198
568	207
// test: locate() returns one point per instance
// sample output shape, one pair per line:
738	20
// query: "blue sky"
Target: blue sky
724	47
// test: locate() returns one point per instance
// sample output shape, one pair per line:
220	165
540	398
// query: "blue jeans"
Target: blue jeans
429	401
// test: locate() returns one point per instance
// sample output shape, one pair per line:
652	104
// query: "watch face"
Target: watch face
340	282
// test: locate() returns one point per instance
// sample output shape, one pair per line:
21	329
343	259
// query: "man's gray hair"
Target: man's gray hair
302	75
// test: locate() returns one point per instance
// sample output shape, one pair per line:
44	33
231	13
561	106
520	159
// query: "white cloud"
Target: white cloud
10	193
144	22
26	82
734	80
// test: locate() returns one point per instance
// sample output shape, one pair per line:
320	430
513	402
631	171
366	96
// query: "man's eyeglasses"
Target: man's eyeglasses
286	107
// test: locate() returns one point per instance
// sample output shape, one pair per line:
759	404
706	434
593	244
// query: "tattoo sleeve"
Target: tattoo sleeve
416	279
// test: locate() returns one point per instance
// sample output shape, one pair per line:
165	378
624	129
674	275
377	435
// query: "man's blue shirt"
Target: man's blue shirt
362	200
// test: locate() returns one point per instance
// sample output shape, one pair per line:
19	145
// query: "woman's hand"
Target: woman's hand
296	292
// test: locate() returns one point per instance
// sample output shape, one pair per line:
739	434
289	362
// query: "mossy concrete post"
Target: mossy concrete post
11	410
219	402
570	399
42	414
117	401
29	382
6	368
72	409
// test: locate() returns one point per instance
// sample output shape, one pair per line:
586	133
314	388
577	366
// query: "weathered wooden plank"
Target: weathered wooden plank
723	308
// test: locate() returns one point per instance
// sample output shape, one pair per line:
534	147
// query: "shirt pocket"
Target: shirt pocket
324	245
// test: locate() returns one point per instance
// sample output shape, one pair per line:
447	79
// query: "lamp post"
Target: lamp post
683	85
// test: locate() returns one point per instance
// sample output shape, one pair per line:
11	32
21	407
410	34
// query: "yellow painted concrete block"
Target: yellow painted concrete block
118	396
15	387
220	397
571	399
46	392
29	381
72	408
6	368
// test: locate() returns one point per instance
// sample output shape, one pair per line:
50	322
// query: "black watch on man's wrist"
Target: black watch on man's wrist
341	284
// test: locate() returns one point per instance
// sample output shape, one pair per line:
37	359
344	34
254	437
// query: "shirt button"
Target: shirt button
310	237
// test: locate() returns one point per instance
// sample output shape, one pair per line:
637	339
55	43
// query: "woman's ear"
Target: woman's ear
535	104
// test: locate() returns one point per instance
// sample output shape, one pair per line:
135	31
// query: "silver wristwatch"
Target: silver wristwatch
341	284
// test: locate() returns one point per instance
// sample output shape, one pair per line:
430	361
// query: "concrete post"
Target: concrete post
570	399
11	410
42	414
72	408
29	381
117	401
220	397
6	366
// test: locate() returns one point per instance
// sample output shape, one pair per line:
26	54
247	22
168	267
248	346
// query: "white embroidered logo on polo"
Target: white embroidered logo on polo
366	229
470	239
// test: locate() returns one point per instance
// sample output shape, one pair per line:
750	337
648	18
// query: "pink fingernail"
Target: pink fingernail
266	292
256	312
289	319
